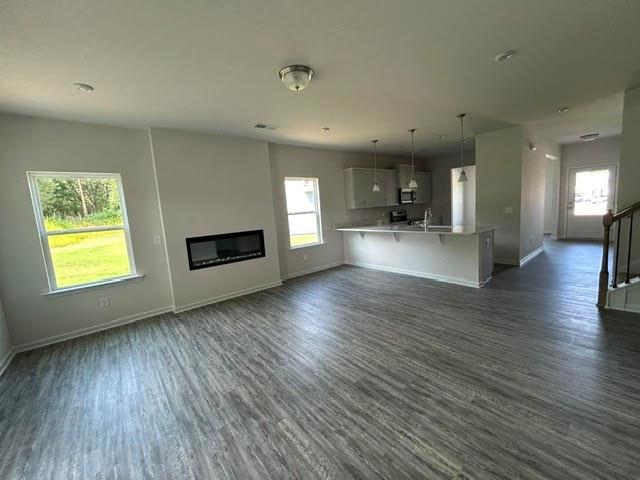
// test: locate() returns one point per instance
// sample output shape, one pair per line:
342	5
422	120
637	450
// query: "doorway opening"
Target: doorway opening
591	193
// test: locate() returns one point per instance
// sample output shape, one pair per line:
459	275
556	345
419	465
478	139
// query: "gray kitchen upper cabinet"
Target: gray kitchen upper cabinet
358	188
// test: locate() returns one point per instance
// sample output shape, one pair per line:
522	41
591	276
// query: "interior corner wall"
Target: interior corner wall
37	144
440	167
498	189
532	197
5	339
213	184
584	154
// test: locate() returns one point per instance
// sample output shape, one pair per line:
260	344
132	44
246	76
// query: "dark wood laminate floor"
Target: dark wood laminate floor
348	373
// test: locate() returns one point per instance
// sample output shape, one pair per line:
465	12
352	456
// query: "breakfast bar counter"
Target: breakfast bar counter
460	254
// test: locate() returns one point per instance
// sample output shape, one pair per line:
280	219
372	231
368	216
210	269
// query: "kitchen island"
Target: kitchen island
460	254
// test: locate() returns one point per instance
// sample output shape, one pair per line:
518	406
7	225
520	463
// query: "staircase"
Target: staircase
623	293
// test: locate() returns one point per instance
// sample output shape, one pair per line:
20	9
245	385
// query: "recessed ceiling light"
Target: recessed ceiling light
325	129
563	109
505	56
264	126
589	137
296	77
84	87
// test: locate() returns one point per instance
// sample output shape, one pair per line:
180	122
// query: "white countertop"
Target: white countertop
433	229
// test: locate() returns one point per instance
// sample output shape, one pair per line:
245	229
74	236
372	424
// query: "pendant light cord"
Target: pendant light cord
412	152
375	161
461	117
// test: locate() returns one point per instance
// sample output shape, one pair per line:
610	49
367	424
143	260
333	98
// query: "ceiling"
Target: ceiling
381	66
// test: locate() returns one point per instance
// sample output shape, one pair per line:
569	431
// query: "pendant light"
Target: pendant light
412	182
463	174
376	186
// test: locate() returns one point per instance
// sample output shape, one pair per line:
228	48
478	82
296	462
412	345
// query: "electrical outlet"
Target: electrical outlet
157	239
105	302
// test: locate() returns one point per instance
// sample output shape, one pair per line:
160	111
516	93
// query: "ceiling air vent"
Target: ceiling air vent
264	126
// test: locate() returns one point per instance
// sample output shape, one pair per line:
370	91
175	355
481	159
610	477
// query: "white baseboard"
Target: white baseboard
413	273
93	329
4	363
326	266
506	261
226	296
533	254
521	262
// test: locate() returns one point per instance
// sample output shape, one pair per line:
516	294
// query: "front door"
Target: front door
591	194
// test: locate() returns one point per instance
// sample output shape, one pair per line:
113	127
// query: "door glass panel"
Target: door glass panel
591	193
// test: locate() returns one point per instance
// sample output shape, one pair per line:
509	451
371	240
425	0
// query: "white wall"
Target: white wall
328	166
211	184
498	187
440	167
629	175
552	196
532	199
51	145
582	154
5	340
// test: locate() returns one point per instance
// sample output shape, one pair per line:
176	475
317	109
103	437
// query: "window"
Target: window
83	227
303	211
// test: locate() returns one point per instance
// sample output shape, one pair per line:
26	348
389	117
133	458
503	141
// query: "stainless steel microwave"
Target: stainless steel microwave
406	195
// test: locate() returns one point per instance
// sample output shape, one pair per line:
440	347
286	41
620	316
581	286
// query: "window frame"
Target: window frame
32	177
316	211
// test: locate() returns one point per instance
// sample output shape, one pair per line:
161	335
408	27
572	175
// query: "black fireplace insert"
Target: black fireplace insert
214	250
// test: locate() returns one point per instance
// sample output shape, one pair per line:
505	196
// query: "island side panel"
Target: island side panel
485	256
455	259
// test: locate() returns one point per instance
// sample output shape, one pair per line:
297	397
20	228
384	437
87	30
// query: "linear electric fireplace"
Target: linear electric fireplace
214	250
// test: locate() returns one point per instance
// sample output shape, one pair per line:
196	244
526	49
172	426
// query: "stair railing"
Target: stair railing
608	220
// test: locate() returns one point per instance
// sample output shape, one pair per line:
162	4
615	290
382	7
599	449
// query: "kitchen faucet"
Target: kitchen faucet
428	217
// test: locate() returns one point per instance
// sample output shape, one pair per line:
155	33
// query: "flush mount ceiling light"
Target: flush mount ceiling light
463	174
296	77
505	56
412	183
376	186
563	109
589	137
84	87
325	129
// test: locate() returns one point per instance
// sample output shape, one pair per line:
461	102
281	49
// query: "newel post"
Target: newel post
603	284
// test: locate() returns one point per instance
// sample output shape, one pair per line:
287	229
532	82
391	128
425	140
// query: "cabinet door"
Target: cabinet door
428	187
349	192
388	181
423	192
362	187
404	176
